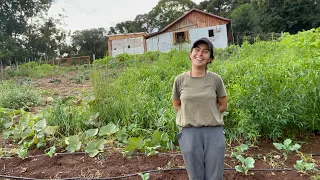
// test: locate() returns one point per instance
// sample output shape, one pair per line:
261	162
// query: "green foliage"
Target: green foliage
287	147
305	164
70	115
246	164
94	147
144	176
238	150
30	131
273	87
51	151
102	62
16	96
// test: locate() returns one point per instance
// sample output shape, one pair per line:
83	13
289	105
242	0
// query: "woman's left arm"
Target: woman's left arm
223	103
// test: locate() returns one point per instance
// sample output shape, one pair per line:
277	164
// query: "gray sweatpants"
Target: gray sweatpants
203	150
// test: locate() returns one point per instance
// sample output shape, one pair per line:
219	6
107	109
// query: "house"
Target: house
180	34
193	25
132	43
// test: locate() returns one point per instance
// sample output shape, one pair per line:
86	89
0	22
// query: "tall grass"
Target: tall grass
273	88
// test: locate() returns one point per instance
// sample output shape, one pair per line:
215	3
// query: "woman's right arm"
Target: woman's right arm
176	104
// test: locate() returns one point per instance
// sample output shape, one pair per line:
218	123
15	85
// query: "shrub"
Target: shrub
15	96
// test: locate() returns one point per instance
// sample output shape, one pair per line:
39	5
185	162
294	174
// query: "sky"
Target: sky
86	14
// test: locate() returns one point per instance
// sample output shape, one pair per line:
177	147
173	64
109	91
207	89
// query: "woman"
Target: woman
199	97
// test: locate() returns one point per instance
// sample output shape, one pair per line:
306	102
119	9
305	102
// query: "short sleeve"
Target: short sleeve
221	90
176	89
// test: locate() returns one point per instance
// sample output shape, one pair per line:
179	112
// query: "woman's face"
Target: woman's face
200	55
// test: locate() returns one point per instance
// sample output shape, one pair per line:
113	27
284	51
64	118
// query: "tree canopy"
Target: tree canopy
27	31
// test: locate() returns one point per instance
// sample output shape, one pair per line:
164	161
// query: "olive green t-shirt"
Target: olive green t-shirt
198	96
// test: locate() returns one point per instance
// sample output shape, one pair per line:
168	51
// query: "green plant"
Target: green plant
16	96
238	150
287	147
144	176
246	164
305	164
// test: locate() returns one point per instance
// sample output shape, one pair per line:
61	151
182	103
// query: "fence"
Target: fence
73	61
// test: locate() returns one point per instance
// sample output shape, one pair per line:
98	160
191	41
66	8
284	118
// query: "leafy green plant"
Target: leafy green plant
51	151
287	147
144	176
305	164
15	96
238	150
246	164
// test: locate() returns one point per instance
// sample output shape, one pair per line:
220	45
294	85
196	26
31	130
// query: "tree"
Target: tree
91	42
167	11
244	22
288	15
15	14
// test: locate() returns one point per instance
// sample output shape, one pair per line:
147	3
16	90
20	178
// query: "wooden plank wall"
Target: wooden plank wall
196	20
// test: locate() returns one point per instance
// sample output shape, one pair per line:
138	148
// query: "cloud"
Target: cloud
86	14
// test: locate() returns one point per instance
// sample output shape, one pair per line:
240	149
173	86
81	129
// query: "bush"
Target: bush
16	96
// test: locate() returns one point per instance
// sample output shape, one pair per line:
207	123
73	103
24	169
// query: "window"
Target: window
211	33
180	37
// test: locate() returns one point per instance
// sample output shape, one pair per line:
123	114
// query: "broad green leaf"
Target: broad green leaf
108	129
27	133
91	132
243	147
52	151
40	125
6	134
40	135
7	124
156	138
41	143
73	143
279	146
241	158
51	130
22	152
249	162
238	168
93	148
134	143
93	119
144	176
295	147
164	137
287	142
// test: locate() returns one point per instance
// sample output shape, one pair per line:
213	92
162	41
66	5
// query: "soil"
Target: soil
167	165
112	163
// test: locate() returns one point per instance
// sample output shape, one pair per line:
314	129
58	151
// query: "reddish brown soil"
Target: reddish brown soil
63	85
112	163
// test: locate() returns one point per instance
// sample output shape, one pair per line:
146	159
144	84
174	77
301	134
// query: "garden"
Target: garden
113	119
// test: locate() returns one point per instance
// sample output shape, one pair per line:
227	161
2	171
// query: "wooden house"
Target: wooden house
193	25
132	43
180	34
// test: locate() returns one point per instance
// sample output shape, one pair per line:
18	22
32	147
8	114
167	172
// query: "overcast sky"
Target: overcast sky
85	14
